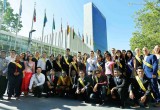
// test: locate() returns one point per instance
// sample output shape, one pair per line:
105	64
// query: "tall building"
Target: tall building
95	30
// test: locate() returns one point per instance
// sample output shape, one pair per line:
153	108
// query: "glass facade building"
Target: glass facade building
95	28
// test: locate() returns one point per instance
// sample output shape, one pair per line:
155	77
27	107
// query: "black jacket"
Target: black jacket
134	86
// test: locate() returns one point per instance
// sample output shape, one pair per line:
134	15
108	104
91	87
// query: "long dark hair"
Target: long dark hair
126	57
121	56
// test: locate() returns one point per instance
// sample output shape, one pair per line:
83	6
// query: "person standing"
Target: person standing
150	66
66	60
109	66
57	65
138	60
91	63
36	58
3	73
28	72
157	53
42	63
15	74
12	56
49	63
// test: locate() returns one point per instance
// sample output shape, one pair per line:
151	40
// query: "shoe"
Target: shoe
1	98
135	106
146	106
101	103
9	98
122	107
157	104
17	98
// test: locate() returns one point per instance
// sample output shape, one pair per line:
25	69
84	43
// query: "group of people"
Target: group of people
90	77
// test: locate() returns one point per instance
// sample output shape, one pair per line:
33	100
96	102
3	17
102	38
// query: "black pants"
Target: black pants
37	91
138	95
100	94
47	89
3	85
14	86
122	94
86	95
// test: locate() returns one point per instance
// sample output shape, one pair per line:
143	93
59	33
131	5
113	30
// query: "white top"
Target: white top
91	64
10	59
40	77
42	63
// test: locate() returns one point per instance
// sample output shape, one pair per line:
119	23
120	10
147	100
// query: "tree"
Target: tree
10	19
148	26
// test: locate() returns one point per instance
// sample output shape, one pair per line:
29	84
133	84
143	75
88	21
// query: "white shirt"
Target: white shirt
42	63
40	77
10	59
91	64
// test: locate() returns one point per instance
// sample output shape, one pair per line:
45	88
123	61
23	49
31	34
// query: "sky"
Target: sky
118	13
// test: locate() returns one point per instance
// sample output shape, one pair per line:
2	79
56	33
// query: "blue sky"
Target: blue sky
119	16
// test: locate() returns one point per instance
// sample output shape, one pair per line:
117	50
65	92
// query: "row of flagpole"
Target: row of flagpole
44	24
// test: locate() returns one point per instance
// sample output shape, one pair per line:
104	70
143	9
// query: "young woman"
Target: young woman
57	65
22	56
27	74
119	62
100	64
129	64
109	66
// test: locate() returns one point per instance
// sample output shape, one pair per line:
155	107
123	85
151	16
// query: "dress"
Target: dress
29	70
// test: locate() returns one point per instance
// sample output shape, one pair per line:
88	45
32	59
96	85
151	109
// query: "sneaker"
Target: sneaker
135	106
146	106
9	98
157	104
17	98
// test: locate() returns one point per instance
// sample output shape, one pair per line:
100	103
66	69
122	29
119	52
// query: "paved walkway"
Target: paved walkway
56	103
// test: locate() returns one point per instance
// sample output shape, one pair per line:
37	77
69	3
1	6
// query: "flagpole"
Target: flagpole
43	32
33	16
17	27
42	39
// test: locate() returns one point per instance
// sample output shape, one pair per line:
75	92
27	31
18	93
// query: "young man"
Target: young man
84	88
42	63
3	73
73	80
99	87
118	87
66	60
91	64
139	89
63	84
150	66
51	83
15	74
12	56
36	83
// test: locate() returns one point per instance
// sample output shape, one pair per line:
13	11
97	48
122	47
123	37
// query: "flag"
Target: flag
79	34
90	41
73	33
61	26
82	38
34	15
4	5
68	29
20	8
45	19
53	25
